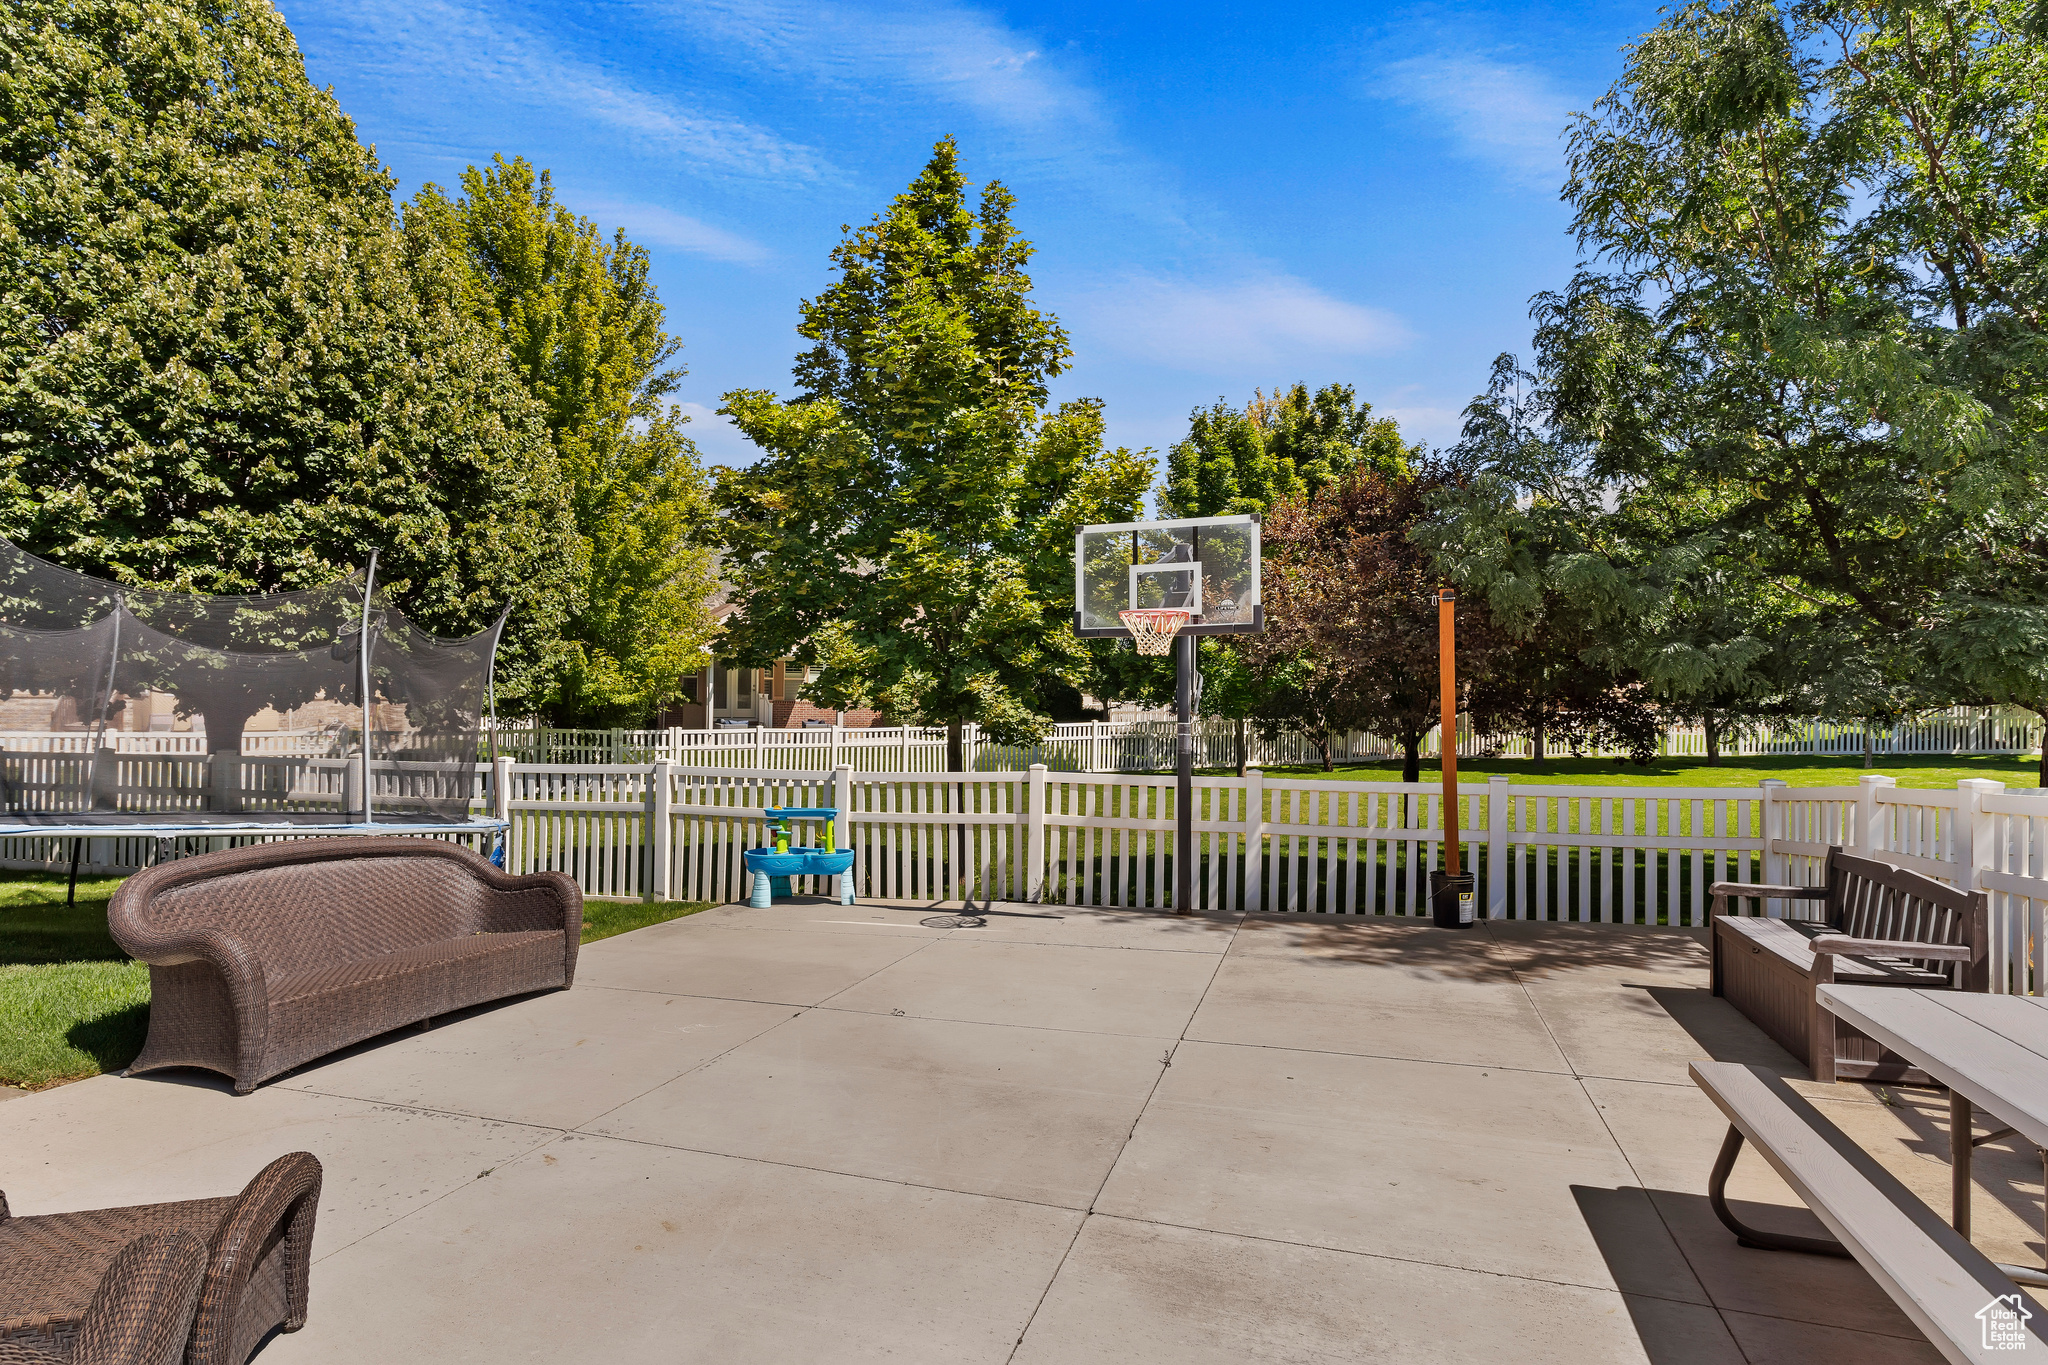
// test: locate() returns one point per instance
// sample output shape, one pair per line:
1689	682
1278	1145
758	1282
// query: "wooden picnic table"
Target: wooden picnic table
1991	1051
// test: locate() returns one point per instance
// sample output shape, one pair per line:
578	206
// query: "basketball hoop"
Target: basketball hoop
1153	628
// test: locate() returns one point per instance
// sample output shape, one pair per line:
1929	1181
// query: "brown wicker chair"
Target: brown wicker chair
141	1314
263	958
258	1253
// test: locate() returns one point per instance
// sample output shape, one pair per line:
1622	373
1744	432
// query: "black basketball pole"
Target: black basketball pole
1184	756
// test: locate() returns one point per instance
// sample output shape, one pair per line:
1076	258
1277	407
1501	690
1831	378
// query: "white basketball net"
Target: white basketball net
1153	628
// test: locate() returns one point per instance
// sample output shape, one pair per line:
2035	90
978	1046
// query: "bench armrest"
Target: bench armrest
1889	947
1804	893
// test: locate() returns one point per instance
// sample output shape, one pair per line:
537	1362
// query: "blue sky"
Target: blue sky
1222	198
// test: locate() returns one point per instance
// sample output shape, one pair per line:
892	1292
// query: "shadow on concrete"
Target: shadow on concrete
1410	945
1539	949
1488	951
1721	1031
1671	1257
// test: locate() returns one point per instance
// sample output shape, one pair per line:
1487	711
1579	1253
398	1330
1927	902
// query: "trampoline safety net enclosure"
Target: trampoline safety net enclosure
123	706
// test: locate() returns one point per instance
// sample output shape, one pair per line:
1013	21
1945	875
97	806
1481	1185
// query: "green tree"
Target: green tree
1236	461
217	372
584	326
1240	460
1351	640
1605	601
910	524
1810	325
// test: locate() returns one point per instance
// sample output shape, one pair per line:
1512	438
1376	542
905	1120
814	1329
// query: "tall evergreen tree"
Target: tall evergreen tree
910	523
217	371
585	329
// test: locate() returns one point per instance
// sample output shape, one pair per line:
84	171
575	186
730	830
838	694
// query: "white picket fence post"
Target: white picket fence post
842	801
662	822
1976	842
1255	839
1034	835
1773	802
501	805
1873	829
1498	803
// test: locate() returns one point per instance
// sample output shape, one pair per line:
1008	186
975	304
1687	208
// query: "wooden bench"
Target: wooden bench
1945	1285
1878	925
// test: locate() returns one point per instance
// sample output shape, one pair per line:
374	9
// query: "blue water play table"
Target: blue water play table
771	868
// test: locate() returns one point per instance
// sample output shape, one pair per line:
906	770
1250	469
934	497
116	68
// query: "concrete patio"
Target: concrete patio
823	1133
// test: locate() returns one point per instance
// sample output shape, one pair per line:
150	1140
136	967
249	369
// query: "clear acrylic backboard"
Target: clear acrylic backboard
1208	566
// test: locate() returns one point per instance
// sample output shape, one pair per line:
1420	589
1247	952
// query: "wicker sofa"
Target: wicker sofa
63	1276
266	957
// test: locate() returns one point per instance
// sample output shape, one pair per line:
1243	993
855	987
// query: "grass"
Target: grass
1940	770
602	919
73	1005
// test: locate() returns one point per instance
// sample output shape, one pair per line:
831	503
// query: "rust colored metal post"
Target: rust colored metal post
1447	742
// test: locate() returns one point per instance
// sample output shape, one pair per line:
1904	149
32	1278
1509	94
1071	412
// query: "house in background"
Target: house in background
726	694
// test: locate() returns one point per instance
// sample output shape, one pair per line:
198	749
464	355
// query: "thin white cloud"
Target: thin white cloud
652	225
1230	329
1044	118
480	48
961	54
1508	116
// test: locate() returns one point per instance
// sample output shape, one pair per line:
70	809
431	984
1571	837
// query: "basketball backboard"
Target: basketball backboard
1208	566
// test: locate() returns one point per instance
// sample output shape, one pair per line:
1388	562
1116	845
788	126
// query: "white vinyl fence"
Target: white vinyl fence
1309	845
1296	845
1147	745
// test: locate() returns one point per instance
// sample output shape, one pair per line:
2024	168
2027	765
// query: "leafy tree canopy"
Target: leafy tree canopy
217	370
1804	351
1240	460
1351	639
1236	461
910	524
585	329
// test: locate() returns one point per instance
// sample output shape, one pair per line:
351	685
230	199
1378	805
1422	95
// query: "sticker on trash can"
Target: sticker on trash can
1465	906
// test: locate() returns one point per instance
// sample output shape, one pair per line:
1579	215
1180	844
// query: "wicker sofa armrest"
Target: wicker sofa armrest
512	902
1890	947
141	1313
272	1217
534	900
241	970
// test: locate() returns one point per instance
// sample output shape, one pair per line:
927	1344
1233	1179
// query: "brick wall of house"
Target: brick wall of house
791	713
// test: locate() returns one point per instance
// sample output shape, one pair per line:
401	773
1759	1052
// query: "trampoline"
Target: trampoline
138	713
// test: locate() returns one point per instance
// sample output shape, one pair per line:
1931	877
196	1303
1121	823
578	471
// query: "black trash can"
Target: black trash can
1452	900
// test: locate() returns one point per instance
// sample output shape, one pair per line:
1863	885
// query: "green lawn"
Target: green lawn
602	919
73	1005
1942	770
